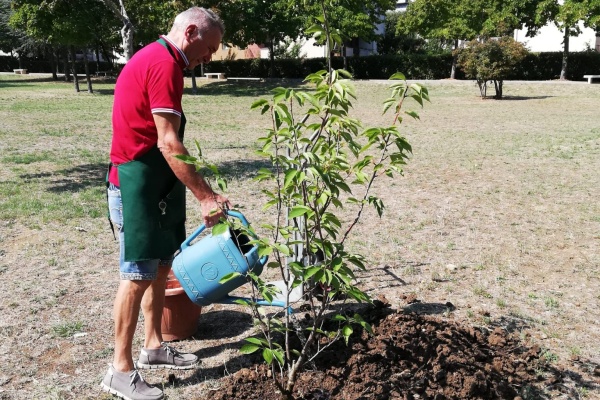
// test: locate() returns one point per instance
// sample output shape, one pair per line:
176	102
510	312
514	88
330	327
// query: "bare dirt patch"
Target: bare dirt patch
413	356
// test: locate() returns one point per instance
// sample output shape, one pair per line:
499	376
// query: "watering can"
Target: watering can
200	267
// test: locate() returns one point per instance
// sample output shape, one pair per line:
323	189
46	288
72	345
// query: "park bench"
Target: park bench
590	77
20	71
215	75
104	73
240	78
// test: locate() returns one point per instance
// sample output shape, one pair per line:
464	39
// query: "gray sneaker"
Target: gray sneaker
166	357
129	386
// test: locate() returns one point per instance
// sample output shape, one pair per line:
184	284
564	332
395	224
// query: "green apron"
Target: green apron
153	204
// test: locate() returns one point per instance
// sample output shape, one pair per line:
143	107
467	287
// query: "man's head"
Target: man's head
198	32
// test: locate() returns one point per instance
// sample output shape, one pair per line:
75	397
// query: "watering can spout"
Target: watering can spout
274	303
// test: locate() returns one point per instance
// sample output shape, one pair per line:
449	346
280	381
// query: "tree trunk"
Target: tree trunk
454	60
97	53
344	57
87	71
55	60
127	34
565	57
271	58
356	47
74	69
66	67
127	30
498	87
107	56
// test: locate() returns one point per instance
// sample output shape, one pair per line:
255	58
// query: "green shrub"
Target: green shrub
493	60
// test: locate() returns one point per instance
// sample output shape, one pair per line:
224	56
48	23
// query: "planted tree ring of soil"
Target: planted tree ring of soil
409	356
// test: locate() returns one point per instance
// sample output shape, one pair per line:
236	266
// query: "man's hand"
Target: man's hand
213	209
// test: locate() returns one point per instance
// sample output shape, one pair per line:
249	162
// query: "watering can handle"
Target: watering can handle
237	214
202	227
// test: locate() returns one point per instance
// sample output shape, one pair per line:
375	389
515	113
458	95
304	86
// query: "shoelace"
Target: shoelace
170	350
135	376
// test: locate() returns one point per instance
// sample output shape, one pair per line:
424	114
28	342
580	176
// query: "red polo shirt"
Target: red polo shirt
151	82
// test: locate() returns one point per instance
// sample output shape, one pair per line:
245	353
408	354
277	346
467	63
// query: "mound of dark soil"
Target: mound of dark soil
410	356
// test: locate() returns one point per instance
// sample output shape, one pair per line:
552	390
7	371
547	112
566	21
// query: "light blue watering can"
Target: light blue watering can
200	267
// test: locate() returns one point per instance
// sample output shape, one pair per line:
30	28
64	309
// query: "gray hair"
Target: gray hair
204	19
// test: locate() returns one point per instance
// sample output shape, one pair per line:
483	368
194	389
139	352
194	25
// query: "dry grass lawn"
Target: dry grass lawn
498	213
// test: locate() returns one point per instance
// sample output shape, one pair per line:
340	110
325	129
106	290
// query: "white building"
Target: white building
550	38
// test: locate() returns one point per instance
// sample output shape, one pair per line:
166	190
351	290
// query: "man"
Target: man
146	192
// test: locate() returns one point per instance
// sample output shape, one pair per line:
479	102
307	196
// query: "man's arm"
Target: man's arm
169	144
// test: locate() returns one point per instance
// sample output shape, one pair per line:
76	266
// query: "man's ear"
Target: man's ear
190	32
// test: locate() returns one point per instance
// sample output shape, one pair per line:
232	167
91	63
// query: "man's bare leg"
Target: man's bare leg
126	312
152	307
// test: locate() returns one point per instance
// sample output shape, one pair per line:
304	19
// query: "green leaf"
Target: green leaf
282	248
347	331
268	355
366	326
222	183
279	356
387	105
186	158
258	103
249	348
345	73
417	98
219	229
311	271
315	29
265	251
398	76
412	114
290	174
229	276
255	341
298	211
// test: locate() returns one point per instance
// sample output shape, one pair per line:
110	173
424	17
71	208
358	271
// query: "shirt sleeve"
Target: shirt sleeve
165	88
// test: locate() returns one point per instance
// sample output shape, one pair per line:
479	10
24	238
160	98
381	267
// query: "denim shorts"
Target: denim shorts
130	270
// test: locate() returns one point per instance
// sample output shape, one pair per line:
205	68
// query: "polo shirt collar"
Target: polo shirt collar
182	60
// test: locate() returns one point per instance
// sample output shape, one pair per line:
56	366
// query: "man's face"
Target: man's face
201	49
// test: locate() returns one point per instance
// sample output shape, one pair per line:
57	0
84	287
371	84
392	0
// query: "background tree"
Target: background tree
289	48
442	19
10	38
260	22
492	60
464	20
127	30
392	42
353	21
65	23
567	17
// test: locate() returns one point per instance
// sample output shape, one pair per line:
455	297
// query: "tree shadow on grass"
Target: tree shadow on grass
75	179
105	92
242	169
81	177
244	88
21	82
516	98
